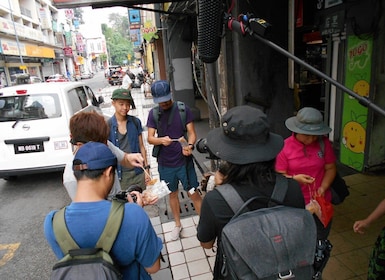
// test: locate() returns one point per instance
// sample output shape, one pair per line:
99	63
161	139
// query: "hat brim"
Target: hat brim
162	98
308	129
237	152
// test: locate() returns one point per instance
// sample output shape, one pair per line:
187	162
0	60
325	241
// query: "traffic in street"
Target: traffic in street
24	203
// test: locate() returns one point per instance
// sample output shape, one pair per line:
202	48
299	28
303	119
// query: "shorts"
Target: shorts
185	174
130	178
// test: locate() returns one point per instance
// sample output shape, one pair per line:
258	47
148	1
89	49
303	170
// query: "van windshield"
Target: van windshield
29	107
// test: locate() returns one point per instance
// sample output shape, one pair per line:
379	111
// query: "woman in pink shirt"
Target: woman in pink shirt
308	158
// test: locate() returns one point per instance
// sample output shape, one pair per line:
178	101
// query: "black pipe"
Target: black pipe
242	29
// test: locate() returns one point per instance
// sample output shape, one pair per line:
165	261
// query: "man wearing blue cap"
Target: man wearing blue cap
137	248
175	163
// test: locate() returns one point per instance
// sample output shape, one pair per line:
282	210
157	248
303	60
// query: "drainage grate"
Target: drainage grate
186	207
147	106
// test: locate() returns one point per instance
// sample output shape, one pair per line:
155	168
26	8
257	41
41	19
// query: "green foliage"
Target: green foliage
117	38
103	57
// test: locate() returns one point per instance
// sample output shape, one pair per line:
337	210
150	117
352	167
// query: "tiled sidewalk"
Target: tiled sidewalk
186	259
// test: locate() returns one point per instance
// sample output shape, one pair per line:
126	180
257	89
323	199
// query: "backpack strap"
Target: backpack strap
322	144
231	196
112	227
106	239
134	120
237	204
62	235
280	189
182	113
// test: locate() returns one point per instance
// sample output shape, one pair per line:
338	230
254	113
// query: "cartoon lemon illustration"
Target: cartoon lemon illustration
354	137
362	88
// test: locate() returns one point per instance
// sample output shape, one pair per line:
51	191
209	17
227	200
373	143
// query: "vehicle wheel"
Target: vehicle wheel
10	178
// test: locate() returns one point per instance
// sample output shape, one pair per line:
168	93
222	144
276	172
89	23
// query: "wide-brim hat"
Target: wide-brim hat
308	121
244	137
160	91
93	156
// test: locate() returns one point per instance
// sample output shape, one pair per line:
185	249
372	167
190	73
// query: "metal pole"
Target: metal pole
362	100
17	37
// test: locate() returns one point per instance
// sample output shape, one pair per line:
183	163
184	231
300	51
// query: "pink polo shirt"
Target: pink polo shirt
297	158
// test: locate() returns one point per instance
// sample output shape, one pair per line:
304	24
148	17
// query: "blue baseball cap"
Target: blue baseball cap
160	91
93	156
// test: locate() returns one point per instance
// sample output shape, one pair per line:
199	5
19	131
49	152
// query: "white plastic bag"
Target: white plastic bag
159	189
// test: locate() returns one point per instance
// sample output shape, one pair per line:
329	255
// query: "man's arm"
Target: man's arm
165	141
155	267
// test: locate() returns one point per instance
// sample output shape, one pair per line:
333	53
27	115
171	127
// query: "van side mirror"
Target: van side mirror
100	99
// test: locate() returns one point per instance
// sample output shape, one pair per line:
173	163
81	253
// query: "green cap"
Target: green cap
121	93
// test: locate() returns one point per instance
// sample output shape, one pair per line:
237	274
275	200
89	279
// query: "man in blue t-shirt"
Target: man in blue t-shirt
136	248
175	161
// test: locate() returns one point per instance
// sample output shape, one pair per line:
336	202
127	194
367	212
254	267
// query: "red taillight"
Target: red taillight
21	91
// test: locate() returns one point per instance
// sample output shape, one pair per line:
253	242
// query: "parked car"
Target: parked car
57	78
116	78
34	121
86	75
23	79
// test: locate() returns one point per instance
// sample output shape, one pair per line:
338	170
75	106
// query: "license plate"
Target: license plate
29	148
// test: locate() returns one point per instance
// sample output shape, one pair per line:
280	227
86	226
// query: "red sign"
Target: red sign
67	51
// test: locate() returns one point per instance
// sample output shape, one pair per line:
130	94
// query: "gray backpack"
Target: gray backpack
87	263
271	243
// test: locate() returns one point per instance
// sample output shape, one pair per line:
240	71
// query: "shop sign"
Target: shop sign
135	37
134	16
332	22
44	19
358	75
12	48
149	31
68	51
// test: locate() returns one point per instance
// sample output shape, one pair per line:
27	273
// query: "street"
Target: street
24	203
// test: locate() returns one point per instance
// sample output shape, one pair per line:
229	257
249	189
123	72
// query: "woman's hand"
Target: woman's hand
303	179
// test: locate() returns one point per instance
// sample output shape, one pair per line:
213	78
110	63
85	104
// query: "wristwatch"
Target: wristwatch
192	146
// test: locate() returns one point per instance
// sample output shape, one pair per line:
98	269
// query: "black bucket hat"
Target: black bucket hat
244	137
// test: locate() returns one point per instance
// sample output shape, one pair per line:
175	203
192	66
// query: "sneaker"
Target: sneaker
317	276
175	233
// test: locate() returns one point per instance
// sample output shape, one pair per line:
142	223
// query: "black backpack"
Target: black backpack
88	263
271	243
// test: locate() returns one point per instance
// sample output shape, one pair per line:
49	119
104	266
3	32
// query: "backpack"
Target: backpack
88	263
156	114
271	243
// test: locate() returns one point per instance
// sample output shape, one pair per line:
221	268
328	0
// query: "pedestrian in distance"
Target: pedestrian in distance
91	126
308	158
376	268
136	249
127	84
246	149
175	162
126	134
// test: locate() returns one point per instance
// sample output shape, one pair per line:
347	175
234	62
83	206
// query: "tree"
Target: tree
119	24
117	39
78	14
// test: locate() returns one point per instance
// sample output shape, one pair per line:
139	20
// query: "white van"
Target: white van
34	125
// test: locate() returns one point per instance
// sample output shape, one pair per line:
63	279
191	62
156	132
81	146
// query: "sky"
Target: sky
93	18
